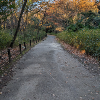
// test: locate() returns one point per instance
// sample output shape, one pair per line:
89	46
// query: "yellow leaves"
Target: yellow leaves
2	26
48	26
29	22
87	17
40	24
59	29
85	5
70	8
82	52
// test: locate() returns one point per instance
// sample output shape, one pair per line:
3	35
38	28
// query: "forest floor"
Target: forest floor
50	72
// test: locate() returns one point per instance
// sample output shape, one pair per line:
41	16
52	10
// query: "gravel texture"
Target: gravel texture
48	72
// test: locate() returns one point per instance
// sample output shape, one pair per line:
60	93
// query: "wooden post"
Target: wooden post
20	48
39	38
33	40
30	42
42	37
24	45
9	55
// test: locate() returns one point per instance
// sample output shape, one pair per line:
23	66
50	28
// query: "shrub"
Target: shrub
5	39
75	27
89	18
84	39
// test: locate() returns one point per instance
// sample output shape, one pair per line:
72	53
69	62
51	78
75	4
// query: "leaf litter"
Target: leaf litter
89	62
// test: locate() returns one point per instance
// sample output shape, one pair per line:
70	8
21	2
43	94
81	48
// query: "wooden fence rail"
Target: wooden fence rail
22	47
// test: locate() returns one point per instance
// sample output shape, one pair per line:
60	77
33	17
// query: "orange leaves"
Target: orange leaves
59	28
48	26
56	23
85	5
52	8
82	52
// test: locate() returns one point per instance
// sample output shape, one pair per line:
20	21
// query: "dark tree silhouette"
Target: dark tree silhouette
17	29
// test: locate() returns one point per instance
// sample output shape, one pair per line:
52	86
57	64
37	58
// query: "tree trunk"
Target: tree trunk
27	16
15	35
0	24
12	23
4	24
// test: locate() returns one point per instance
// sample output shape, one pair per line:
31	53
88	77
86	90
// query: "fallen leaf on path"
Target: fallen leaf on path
0	93
80	98
97	91
79	53
92	98
66	82
91	93
53	95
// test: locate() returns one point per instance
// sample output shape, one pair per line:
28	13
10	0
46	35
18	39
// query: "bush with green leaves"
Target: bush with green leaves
96	21
84	39
75	27
90	19
5	39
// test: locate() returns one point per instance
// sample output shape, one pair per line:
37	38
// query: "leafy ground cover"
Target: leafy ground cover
84	39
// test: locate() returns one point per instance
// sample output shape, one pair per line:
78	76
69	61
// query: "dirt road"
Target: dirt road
48	72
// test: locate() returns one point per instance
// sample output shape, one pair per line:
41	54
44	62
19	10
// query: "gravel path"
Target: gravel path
48	72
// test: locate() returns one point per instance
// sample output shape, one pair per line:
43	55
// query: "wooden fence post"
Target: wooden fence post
20	48
24	45
9	55
30	42
33	40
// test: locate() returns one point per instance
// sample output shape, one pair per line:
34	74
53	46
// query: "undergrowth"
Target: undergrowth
6	37
84	39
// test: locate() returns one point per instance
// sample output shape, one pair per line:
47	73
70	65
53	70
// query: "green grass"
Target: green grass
84	39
